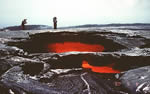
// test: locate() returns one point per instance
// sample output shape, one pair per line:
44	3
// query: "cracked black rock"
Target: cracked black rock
27	66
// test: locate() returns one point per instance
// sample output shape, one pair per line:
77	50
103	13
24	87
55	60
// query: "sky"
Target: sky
73	12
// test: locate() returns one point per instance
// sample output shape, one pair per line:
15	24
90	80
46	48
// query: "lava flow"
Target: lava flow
74	46
100	69
82	47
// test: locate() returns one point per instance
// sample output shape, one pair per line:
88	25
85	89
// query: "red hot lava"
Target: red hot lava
100	69
74	46
82	47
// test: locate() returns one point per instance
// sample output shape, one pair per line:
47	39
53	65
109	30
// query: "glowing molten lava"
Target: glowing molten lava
74	46
82	47
100	69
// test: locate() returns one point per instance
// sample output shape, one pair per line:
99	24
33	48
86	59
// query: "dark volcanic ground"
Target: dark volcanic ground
28	66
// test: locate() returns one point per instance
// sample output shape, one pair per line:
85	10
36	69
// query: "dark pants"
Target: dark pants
23	27
55	25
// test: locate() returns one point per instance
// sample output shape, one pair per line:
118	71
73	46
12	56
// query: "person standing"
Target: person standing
23	24
55	22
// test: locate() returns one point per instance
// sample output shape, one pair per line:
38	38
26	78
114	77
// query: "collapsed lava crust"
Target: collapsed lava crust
30	65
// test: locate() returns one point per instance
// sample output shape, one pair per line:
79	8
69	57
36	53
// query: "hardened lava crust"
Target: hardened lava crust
74	62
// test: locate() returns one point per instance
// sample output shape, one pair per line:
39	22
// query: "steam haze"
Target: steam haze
74	12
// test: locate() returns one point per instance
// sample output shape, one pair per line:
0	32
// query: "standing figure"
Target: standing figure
55	22
23	24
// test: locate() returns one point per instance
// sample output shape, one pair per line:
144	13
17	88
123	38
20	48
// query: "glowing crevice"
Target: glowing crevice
61	47
74	46
100	69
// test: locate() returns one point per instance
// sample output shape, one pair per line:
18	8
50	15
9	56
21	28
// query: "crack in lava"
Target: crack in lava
74	46
61	47
100	69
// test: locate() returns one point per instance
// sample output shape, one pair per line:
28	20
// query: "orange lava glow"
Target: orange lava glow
74	46
82	47
100	69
